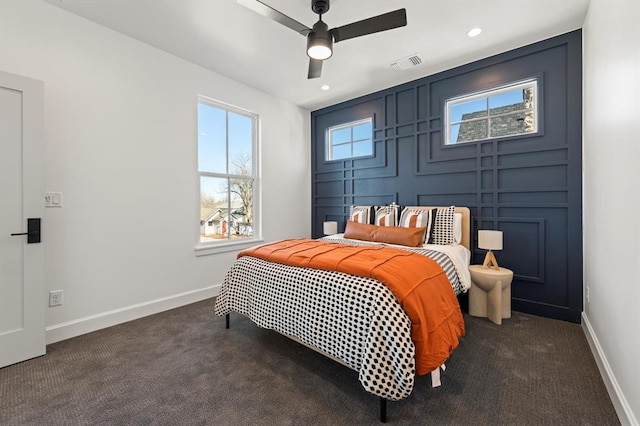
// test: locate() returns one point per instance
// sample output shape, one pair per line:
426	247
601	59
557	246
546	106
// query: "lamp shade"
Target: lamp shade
330	228
490	240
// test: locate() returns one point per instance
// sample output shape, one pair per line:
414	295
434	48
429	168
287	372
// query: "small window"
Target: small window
350	140
227	164
499	112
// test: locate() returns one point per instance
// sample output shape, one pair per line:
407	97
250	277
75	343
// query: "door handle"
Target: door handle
33	231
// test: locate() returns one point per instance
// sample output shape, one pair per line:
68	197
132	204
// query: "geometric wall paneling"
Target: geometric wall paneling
529	186
449	183
555	253
405	106
383	164
486	198
439	151
486	179
429	153
486	147
403	130
372	188
421	152
374	199
435	199
422	93
531	198
389	110
449	166
539	177
330	201
528	235
331	187
486	211
527	158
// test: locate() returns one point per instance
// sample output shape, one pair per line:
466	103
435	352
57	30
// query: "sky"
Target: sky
342	148
212	144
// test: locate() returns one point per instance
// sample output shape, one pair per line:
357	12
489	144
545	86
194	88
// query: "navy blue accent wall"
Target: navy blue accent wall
529	186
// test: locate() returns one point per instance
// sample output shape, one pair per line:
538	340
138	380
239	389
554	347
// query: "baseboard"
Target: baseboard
546	310
620	403
67	330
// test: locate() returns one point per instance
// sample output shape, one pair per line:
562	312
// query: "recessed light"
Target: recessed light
325	87
474	32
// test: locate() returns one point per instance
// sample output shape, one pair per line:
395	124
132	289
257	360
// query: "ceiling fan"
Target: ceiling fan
320	38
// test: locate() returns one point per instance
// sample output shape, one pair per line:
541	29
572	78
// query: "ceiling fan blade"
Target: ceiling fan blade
271	13
386	21
315	68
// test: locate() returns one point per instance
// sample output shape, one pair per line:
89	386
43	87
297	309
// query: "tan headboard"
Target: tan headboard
466	222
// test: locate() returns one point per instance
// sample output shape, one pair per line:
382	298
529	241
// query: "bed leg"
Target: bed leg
226	318
383	410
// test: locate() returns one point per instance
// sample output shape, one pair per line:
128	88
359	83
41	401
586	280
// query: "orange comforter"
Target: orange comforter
419	284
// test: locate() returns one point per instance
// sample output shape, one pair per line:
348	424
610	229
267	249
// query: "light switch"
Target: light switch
53	199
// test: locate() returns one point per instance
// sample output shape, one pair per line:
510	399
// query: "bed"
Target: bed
358	318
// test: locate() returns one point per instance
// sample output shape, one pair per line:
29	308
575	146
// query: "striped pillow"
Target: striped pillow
386	215
361	214
442	232
418	218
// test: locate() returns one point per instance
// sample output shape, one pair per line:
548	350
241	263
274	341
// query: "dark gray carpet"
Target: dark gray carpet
182	367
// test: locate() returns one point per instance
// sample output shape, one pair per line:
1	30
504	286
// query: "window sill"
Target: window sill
209	249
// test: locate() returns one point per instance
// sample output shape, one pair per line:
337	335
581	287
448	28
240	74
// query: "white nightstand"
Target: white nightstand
490	293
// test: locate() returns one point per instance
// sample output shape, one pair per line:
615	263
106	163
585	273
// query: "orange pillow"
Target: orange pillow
412	237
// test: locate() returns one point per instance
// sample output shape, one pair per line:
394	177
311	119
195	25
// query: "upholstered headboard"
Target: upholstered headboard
466	222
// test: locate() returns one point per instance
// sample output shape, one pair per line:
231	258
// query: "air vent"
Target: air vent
408	62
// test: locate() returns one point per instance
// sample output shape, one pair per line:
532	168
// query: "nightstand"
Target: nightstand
490	293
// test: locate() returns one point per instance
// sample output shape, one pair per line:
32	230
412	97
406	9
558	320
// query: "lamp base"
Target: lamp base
490	261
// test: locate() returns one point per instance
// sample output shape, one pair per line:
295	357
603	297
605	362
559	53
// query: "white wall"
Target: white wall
120	129
612	197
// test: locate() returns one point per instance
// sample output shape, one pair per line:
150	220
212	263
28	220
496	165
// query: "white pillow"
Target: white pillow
457	228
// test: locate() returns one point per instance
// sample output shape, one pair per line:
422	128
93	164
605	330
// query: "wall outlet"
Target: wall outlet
55	298
586	294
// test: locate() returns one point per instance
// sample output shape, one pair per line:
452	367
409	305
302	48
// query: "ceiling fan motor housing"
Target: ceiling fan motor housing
320	6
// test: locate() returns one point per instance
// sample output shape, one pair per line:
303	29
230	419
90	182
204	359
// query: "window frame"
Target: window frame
328	157
488	93
204	248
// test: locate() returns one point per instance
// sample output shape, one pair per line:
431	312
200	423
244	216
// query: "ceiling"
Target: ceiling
230	39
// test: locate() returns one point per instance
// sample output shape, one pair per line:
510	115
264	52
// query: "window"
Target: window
227	159
350	140
502	111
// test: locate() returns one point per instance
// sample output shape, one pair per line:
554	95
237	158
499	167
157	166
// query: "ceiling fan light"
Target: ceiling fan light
319	52
318	47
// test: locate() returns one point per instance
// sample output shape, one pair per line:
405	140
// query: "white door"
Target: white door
22	286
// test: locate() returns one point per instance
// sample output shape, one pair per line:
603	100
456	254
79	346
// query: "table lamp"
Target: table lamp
490	240
330	228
